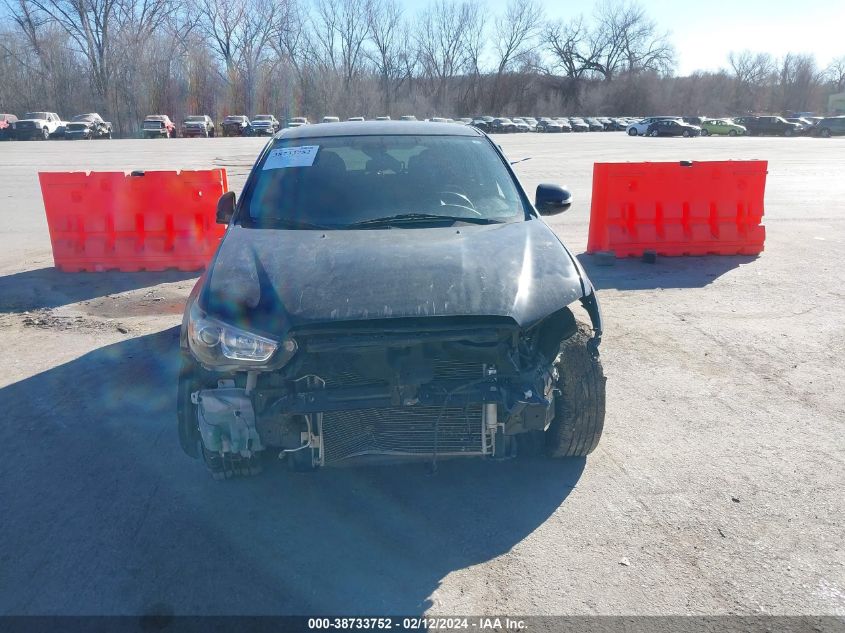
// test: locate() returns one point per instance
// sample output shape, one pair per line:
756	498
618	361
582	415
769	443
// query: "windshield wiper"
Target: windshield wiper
289	223
421	217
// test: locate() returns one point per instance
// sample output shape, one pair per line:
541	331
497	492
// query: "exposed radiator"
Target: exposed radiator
402	431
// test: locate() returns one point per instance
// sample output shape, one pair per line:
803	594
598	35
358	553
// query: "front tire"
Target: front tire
632	132
824	133
580	403
685	134
704	132
45	134
732	133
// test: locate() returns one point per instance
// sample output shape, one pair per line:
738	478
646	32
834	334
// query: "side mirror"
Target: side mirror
552	199
226	207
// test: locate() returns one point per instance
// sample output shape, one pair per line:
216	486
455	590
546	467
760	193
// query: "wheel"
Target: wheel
108	136
732	133
211	134
704	132
205	133
824	132
632	132
580	400
45	134
787	132
685	133
653	133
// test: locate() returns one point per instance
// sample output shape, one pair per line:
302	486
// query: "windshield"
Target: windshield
261	117
196	118
335	182
84	117
35	115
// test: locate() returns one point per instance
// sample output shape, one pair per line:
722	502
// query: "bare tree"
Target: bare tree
441	47
835	73
385	24
752	72
515	33
625	39
799	79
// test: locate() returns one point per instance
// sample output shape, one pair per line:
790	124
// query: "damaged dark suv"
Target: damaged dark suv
388	289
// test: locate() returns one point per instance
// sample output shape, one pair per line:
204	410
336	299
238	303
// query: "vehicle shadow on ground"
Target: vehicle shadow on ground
103	514
51	288
667	272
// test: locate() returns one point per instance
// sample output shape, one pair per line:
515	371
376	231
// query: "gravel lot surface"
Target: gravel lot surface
717	487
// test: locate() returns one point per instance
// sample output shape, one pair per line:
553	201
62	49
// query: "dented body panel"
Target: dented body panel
274	281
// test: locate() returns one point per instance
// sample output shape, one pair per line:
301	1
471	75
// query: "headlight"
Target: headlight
219	345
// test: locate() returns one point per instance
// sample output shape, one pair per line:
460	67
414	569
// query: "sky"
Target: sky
705	31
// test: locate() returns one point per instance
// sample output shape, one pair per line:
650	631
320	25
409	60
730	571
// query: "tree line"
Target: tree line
129	58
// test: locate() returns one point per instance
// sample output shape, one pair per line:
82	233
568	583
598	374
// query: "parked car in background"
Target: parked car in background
694	120
578	124
383	118
437	119
39	125
769	126
355	118
829	126
263	124
805	124
639	128
722	127
88	126
197	125
330	119
158	126
235	125
520	125
297	121
7	126
407	117
482	124
502	125
672	127
595	124
549	126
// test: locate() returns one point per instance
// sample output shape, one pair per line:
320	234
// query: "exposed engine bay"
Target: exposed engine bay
419	388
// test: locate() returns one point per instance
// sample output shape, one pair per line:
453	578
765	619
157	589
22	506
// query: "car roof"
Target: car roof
379	128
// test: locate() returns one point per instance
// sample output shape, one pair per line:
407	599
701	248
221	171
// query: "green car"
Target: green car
722	127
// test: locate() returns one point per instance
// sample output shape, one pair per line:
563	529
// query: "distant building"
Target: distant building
836	103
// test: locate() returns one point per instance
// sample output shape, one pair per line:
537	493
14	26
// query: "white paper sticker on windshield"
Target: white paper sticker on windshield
291	157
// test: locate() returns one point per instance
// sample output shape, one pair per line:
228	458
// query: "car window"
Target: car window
350	179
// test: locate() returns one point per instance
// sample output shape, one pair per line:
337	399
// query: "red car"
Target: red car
7	125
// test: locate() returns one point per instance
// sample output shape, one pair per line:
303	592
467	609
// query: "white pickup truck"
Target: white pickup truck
40	125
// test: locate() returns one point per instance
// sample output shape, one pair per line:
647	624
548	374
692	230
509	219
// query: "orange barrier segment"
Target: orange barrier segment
687	208
152	220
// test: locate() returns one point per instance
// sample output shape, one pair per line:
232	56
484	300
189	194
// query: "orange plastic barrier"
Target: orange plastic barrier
151	220
688	208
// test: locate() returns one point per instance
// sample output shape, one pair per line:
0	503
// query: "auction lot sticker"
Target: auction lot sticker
291	157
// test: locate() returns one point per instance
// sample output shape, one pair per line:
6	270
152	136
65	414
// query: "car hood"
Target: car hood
272	280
